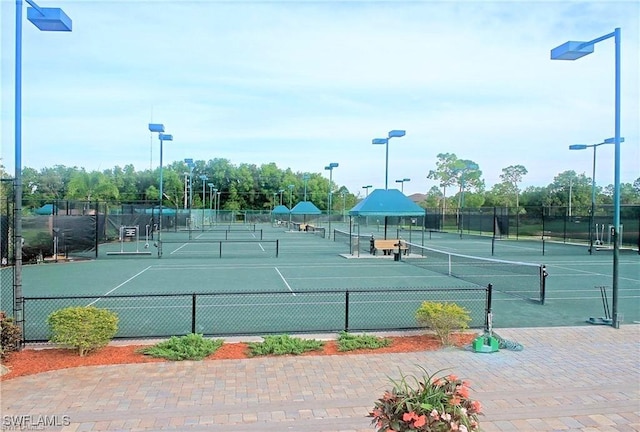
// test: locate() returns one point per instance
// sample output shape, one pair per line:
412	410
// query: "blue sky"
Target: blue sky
303	83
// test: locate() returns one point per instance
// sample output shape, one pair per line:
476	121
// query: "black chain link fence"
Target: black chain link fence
7	259
258	313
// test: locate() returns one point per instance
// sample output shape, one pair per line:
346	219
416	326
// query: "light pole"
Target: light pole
385	141
593	183
274	200
191	166
158	127
402	183
290	202
218	194
573	50
211	186
204	179
330	167
305	178
344	205
280	192
186	175
367	187
45	19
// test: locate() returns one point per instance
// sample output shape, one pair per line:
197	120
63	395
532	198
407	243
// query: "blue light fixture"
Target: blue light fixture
573	50
377	141
45	19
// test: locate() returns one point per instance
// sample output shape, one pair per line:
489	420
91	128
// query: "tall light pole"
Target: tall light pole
218	194
367	187
344	205
401	181
215	205
159	128
573	50
290	195
186	176
593	183
275	194
330	167
385	141
45	19
290	202
305	178
204	179
280	192
211	186
191	166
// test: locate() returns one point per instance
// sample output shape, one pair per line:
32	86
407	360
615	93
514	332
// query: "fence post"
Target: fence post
277	247
193	313
346	310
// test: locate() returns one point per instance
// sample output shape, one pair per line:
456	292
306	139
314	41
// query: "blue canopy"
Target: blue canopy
280	210
46	209
305	208
389	202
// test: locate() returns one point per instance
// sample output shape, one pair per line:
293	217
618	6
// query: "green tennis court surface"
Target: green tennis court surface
248	289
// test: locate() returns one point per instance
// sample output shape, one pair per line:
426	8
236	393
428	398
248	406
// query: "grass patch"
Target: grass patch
190	347
283	345
350	342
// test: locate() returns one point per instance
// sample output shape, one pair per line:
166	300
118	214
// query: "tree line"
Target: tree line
252	187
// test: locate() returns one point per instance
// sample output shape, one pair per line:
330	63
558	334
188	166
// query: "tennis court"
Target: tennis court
251	290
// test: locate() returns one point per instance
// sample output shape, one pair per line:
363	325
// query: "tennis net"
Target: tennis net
526	280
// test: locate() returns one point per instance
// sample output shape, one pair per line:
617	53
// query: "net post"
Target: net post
488	308
542	231
193	313
543	283
277	247
346	310
220	256
493	238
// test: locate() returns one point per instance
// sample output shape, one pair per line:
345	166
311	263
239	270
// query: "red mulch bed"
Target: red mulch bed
33	361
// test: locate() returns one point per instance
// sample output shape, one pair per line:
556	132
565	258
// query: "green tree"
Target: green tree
92	186
512	176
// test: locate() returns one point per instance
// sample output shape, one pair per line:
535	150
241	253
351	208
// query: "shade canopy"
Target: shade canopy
280	210
305	208
389	202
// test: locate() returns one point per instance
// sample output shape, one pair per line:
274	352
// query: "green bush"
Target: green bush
282	345
443	318
83	328
189	347
10	335
350	342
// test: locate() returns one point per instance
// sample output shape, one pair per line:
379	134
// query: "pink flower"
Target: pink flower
435	414
420	421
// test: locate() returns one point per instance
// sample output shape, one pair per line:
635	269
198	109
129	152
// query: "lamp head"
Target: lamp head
204	177
211	185
367	186
396	133
380	141
165	137
49	19
572	50
156	127
578	147
613	140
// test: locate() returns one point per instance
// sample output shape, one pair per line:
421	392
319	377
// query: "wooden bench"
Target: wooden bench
388	246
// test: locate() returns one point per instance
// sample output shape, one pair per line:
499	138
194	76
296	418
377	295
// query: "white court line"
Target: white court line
127	281
260	244
176	250
284	280
590	273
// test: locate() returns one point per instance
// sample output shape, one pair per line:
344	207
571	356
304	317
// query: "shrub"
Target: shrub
83	328
427	404
350	342
189	347
10	335
443	318
282	345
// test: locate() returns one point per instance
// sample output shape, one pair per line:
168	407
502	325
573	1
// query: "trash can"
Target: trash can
396	256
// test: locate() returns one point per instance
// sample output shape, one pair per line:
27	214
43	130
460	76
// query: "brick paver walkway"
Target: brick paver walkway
566	379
